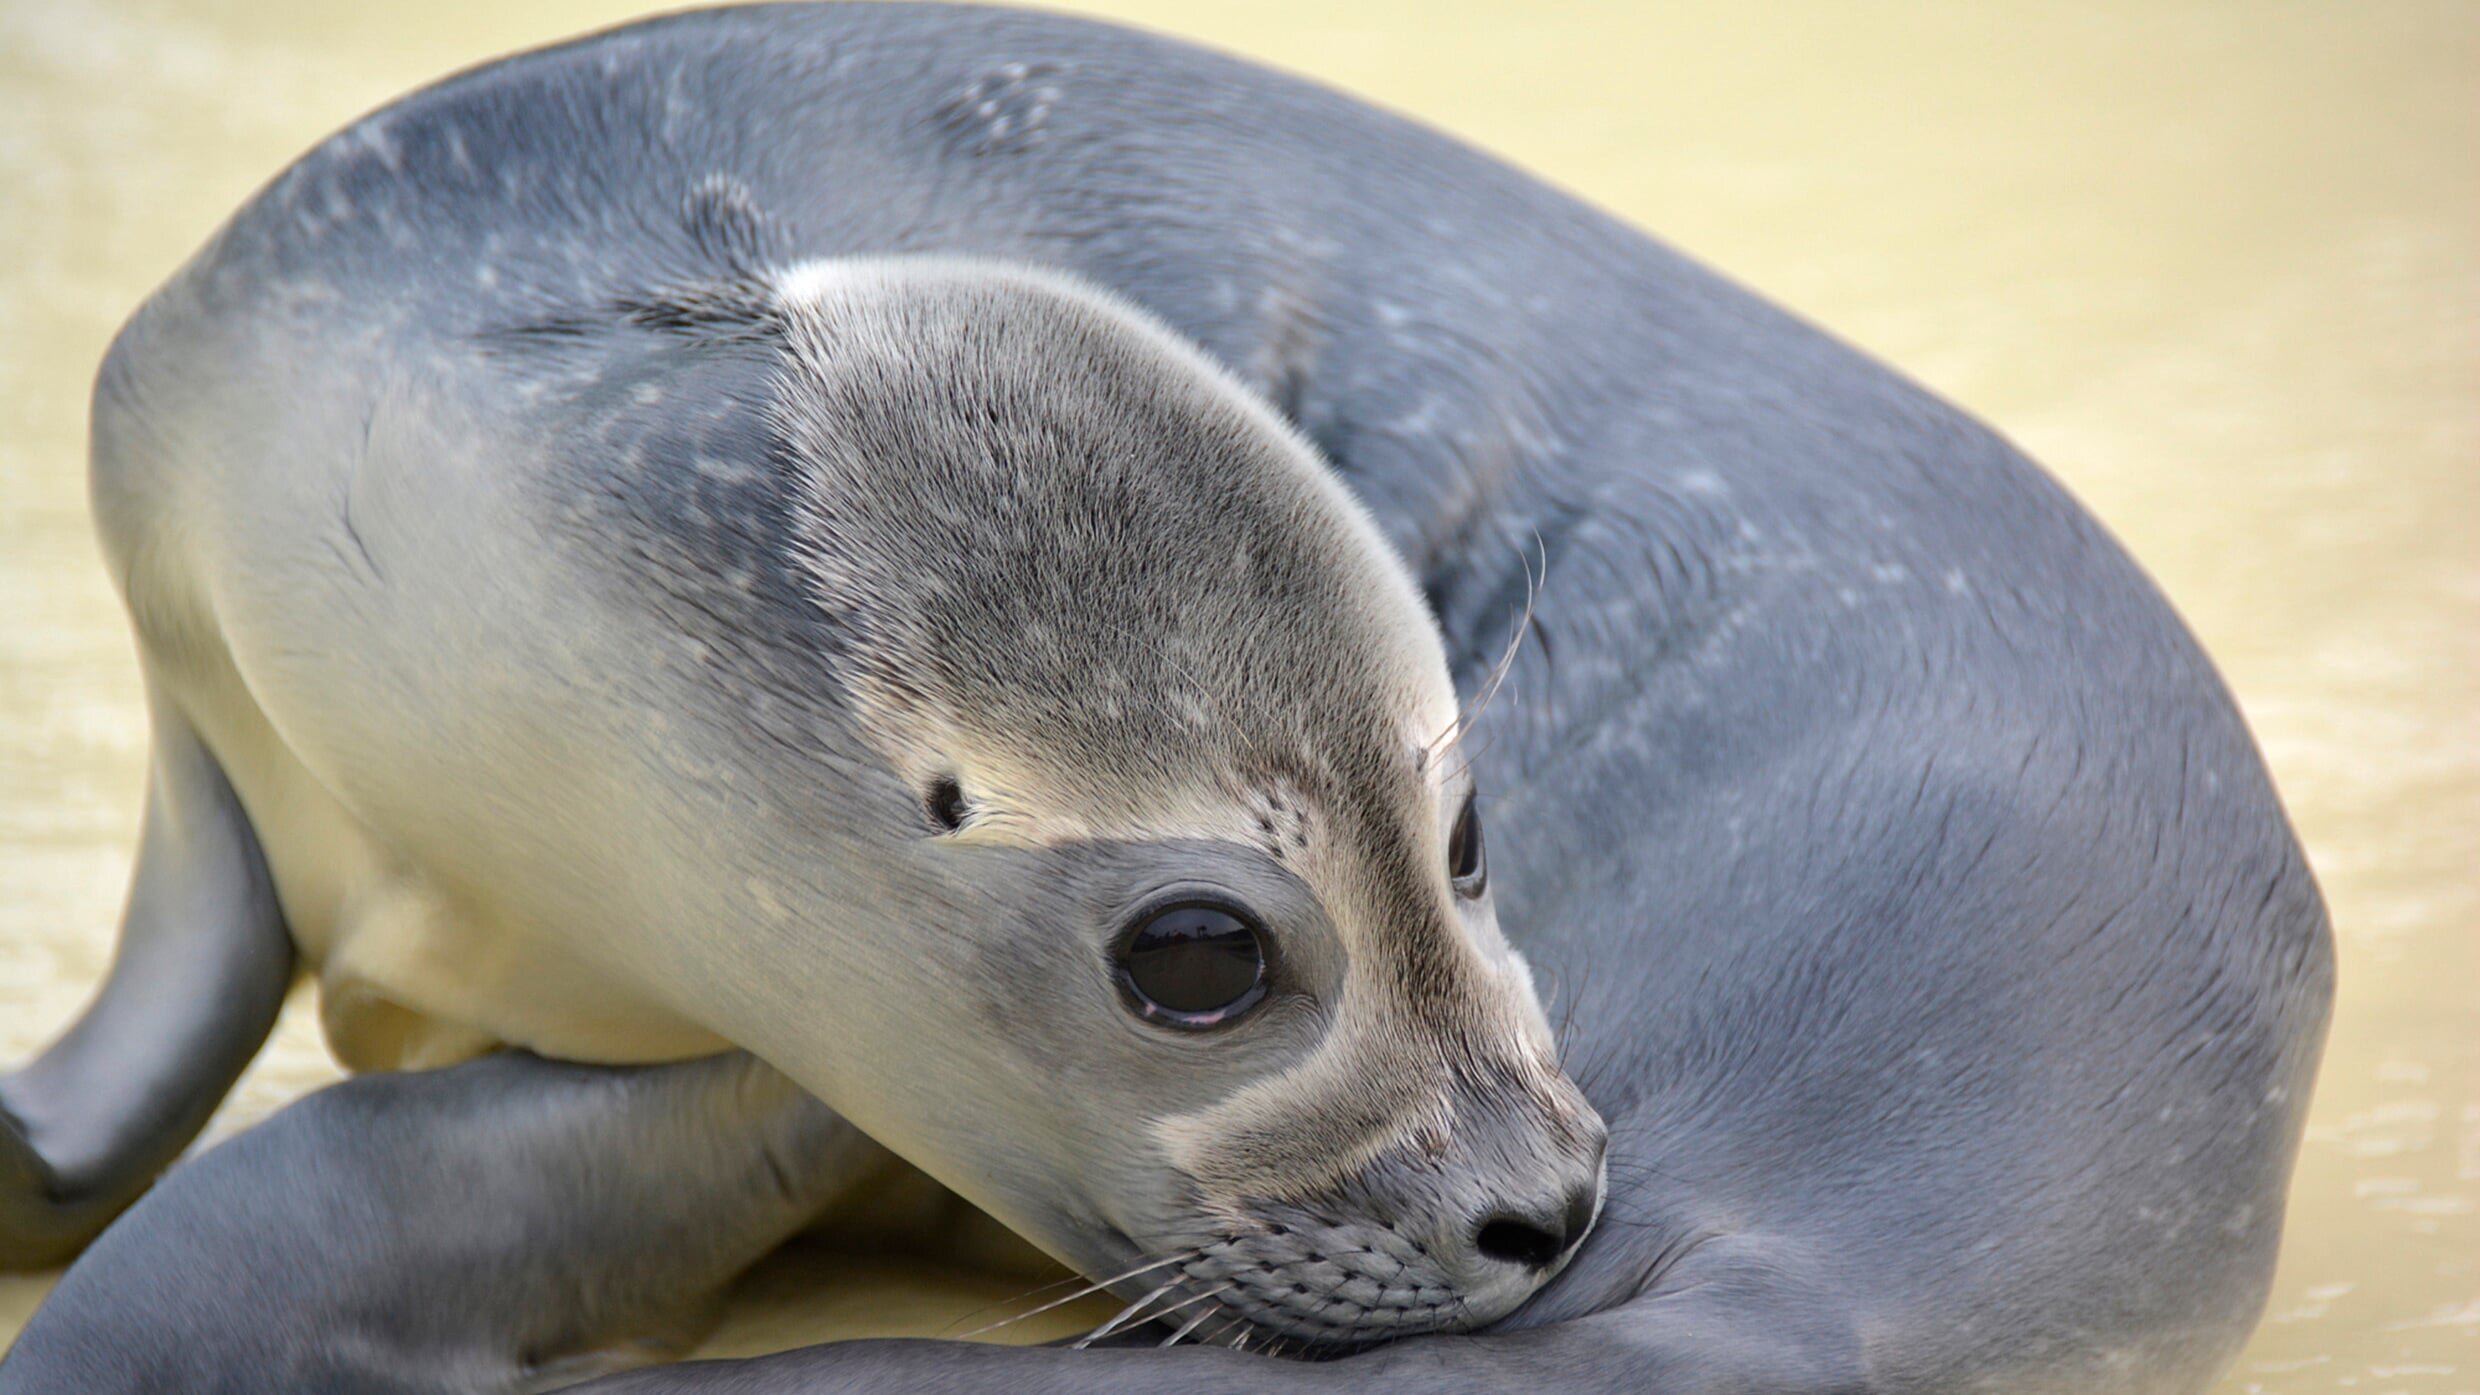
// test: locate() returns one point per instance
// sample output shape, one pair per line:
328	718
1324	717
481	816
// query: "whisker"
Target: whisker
1086	1292
1166	1312
1035	1292
1200	1298
1203	1314
1473	756
1506	660
1506	663
1126	1313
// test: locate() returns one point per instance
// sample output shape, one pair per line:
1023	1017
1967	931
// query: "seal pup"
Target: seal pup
932	676
1913	901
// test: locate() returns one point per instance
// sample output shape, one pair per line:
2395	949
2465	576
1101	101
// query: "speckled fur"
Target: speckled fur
1910	896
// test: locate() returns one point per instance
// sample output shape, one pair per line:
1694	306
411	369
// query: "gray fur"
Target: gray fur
1920	913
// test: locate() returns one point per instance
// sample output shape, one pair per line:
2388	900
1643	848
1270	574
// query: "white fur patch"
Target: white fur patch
806	282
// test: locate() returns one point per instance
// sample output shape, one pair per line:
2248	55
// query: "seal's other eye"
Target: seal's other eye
1194	965
1465	864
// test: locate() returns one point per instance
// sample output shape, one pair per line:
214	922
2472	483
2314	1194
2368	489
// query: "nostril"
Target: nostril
1518	1240
1513	1240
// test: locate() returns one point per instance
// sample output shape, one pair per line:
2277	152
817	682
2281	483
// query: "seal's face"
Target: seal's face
1227	1012
1427	1165
1293	1079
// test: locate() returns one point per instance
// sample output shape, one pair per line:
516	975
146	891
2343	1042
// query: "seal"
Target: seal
1917	909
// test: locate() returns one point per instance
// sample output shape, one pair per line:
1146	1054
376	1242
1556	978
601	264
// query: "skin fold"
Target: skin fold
1907	896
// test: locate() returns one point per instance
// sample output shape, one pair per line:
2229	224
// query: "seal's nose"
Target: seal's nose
1537	1242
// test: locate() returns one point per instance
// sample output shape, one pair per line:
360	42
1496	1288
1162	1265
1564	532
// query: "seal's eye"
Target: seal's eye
1465	864
1194	965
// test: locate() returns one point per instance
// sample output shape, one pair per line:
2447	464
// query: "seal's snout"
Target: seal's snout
1441	1233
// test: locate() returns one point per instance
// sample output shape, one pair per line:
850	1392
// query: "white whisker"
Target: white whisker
1192	1324
1506	659
1088	1291
1126	1313
1237	1321
1199	1298
1083	1284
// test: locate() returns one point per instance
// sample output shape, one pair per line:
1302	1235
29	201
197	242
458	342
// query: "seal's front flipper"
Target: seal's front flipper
195	985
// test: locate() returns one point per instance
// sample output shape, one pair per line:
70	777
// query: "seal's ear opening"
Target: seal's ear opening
945	803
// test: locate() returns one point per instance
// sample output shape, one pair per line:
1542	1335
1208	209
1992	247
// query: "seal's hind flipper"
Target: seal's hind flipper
200	972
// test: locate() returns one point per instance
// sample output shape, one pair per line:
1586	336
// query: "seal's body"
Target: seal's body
1924	924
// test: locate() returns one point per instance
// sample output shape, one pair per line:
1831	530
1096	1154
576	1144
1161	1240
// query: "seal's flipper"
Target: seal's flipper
510	1224
194	988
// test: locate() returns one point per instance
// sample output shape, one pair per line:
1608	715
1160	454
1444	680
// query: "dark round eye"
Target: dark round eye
1195	965
1465	863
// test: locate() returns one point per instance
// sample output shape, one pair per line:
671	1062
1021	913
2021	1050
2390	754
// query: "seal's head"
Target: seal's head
1204	981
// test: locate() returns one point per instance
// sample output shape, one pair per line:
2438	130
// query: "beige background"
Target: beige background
2218	265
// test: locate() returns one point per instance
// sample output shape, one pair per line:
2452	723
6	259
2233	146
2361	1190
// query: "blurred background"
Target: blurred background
2218	266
